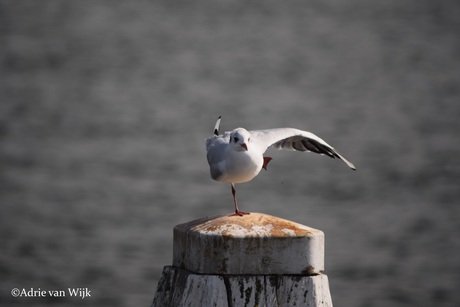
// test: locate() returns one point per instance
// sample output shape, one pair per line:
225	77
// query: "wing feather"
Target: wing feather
295	139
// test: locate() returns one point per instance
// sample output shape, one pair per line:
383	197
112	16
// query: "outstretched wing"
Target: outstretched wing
295	139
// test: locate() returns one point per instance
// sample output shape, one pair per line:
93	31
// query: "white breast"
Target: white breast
240	166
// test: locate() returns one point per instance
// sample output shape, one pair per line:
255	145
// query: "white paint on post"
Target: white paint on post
253	260
179	287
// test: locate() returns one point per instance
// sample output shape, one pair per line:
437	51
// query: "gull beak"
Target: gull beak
244	146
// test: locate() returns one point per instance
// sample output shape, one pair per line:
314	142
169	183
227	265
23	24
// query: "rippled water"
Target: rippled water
105	107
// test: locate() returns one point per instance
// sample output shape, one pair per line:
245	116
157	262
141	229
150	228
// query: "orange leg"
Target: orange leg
237	211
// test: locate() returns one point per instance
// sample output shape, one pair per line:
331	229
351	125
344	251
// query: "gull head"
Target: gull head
239	139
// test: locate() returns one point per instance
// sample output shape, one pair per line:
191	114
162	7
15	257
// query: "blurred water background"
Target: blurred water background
105	105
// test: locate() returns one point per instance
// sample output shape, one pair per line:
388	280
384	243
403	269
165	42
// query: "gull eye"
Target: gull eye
235	139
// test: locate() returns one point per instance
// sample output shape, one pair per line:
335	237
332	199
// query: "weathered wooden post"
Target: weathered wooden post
253	260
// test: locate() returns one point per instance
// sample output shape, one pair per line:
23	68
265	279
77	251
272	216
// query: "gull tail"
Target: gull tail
216	127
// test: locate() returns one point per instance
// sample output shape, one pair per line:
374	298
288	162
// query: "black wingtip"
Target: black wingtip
216	127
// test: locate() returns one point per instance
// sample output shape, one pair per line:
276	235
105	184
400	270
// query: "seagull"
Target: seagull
237	156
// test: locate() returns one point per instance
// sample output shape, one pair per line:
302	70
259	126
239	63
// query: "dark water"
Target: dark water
104	107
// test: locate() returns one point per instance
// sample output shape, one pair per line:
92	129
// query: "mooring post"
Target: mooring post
250	260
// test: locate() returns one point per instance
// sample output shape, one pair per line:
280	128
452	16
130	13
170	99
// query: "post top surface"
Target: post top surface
252	225
251	244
